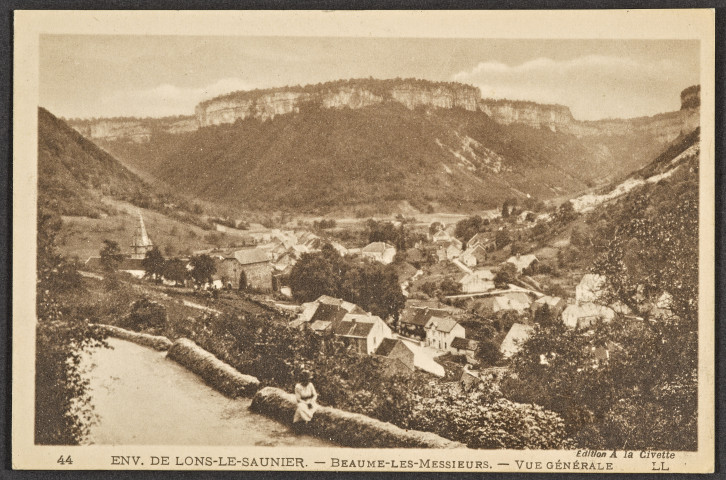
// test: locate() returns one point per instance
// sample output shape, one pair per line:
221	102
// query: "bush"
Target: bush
145	315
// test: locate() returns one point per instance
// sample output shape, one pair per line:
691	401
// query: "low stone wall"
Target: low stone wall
344	428
213	371
153	341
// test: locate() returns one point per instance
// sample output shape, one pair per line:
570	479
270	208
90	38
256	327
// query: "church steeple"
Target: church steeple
141	242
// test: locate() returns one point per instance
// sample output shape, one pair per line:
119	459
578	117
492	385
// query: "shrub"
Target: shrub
145	315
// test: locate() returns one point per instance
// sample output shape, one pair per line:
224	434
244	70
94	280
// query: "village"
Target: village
466	307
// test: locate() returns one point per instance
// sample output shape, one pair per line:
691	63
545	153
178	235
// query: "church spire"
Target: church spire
141	242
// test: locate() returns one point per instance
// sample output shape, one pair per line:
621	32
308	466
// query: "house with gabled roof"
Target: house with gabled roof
249	267
413	320
362	333
481	239
441	331
399	358
380	252
441	236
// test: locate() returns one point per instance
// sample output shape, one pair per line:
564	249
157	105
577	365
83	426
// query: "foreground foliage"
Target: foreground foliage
63	413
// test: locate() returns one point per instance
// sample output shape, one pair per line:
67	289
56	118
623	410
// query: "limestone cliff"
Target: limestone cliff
137	130
360	93
664	127
266	104
555	117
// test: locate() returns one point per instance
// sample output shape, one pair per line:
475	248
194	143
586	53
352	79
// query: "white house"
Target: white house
380	252
441	331
363	332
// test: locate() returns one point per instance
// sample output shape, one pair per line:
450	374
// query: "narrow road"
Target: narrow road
144	399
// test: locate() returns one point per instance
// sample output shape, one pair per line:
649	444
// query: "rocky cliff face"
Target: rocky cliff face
665	127
354	94
555	117
137	130
266	104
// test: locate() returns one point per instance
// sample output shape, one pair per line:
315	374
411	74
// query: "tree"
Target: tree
203	268
507	274
643	396
565	213
467	228
435	227
175	270
111	256
502	238
315	274
153	264
488	352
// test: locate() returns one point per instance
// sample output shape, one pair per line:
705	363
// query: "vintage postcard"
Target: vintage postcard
462	241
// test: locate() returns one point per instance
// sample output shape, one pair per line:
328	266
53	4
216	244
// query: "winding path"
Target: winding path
142	398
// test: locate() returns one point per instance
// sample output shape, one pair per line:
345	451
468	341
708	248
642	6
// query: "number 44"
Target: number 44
66	460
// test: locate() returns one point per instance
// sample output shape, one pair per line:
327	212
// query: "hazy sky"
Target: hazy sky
102	76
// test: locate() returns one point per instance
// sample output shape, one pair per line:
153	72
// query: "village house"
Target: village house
441	331
413	320
380	252
515	301
310	308
441	236
248	268
362	333
517	335
399	357
447	251
480	239
522	262
474	256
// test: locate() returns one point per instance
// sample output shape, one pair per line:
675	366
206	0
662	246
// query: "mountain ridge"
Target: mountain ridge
264	104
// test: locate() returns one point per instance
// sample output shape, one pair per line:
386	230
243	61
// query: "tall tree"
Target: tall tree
203	268
111	256
175	270
153	264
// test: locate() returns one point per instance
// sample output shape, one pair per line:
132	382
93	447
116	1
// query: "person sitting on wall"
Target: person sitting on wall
306	397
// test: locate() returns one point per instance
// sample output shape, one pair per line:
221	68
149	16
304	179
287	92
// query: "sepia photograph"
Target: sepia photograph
332	248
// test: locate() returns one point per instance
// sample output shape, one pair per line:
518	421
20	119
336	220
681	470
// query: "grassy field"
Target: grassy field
83	237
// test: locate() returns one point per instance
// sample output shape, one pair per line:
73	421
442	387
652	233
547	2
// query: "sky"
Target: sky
84	76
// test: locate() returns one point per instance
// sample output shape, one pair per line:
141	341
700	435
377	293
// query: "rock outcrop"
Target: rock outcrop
665	126
354	94
137	130
555	117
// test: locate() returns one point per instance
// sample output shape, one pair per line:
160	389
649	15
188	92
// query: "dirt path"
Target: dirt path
144	399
